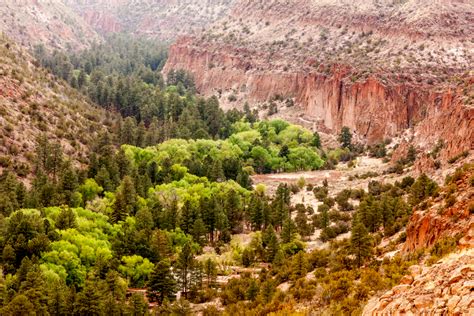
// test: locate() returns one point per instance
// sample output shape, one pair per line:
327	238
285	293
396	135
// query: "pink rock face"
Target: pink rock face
427	226
447	298
372	109
102	21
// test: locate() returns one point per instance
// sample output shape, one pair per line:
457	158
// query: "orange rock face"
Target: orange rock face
442	289
372	109
427	226
362	64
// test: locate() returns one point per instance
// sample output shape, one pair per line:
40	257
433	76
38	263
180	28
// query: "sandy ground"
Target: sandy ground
338	179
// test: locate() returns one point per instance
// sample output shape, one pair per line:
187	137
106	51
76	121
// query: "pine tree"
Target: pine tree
162	284
138	306
199	231
152	133
216	172
66	219
184	267
128	132
210	272
345	137
88	300
361	242
323	210
140	135
256	211
267	289
302	222
187	219
125	200
58	298
81	79
316	141
69	182
33	287
270	243
288	232
252	290
299	266
284	151
243	178
233	209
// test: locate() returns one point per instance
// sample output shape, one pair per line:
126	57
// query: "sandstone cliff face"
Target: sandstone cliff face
162	19
358	64
446	288
102	21
52	23
439	220
371	108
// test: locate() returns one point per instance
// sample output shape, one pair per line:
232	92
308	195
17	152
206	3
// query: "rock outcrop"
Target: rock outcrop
446	288
441	220
52	23
336	62
162	19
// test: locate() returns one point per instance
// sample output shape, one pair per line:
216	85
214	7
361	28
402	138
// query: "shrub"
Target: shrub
450	200
441	248
462	155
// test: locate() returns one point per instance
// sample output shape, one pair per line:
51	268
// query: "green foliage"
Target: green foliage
421	189
162	285
136	269
441	248
361	242
345	137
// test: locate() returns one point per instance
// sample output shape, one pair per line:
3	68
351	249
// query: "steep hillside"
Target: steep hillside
32	103
378	67
443	289
445	286
51	23
152	18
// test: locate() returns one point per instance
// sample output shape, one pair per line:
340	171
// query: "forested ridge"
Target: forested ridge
167	193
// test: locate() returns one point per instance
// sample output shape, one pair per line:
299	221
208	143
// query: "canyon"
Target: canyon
376	72
51	23
158	19
394	71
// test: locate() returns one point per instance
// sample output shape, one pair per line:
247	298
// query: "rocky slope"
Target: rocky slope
162	19
32	103
446	287
378	67
51	22
444	217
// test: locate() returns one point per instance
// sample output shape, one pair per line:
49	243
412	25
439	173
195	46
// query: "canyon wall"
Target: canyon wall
49	22
372	108
159	19
426	226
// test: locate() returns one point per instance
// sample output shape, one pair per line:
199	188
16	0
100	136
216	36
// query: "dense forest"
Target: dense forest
163	199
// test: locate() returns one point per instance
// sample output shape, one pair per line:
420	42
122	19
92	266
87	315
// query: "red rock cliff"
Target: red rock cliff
371	107
427	226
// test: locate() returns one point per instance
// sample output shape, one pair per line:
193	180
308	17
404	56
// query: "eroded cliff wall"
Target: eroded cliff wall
372	107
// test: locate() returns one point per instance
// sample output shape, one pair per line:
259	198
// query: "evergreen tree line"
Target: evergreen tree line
124	74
